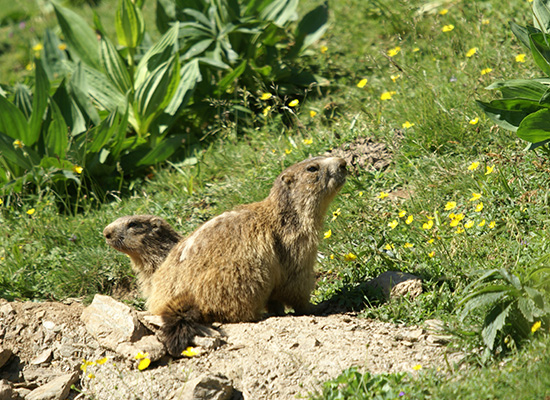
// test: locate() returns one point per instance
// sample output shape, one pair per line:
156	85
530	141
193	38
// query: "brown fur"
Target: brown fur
258	256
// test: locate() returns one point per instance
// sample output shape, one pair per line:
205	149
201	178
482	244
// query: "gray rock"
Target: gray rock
5	355
42	358
57	389
147	344
396	284
111	322
205	387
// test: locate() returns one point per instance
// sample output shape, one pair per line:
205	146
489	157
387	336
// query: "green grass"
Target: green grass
46	255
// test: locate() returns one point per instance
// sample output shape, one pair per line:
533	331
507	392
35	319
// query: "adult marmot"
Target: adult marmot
232	268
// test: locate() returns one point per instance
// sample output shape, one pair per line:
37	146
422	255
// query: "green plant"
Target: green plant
525	104
512	307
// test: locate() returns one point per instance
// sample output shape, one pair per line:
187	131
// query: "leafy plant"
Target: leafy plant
512	307
525	104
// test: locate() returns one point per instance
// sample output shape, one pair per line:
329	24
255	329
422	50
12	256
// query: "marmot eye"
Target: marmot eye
132	224
313	168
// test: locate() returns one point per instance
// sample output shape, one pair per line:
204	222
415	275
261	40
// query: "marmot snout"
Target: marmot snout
257	257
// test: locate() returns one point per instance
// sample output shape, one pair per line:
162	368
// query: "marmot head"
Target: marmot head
141	236
311	185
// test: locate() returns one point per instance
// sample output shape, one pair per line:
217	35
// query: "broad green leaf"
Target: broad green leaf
12	121
101	90
22	99
535	127
129	24
79	36
39	103
54	59
119	136
231	77
541	17
523	88
56	140
522	33
213	63
201	18
540	51
311	27
529	309
190	76
71	111
511	278
509	113
162	151
280	12
13	154
166	13
482	300
104	131
197	48
114	66
494	322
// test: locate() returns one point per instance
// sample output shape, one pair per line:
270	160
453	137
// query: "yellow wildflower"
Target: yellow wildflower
428	225
62	46
432	254
409	220
454	223
492	224
402	213
448	28
408	245
350	257
308	141
485	21
407	125
29	66
77	169
144	363
393	52
362	83
475	196
37	47
482	223
387	95
288	151
520	58
469	224
360	194
31	211
190	352
489	170
323	49
393	224
450	205
473	166
474	121
18	143
335	214
479	207
328	234
459	217
443	12
416	49
91	376
266	96
395	77
486	71
471	52
389	247
417	367
431	241
294	103
266	110
383	195
459	230
312	113
536	326
332	257
140	355
102	361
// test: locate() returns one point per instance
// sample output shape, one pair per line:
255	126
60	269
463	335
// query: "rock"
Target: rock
6	391
207	342
396	284
5	355
57	389
42	358
205	387
7	309
147	344
111	322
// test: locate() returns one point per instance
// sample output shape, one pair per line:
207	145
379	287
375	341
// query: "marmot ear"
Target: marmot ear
287	179
156	223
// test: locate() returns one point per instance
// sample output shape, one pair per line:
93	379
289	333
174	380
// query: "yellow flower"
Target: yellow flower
409	220
408	245
393	224
91	376
350	257
482	223
474	121
459	217
536	326
417	367
393	52
431	241
416	49
266	110
294	103
102	361
383	195
312	113
473	166
308	141
486	71
407	125
469	224
485	21
443	12
323	49
140	355
144	363
29	66
448	28
489	170
360	194
475	196
387	95
459	230
18	143
77	169
190	352
479	207
395	77
332	257
432	254
492	224
450	205
288	151
428	225
471	52
389	247
402	213
335	214
266	96
362	83
62	46
520	58
328	234
454	223
37	47
31	211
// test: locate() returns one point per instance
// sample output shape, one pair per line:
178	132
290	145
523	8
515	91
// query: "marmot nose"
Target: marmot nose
107	235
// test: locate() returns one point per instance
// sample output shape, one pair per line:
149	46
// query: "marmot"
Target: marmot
232	268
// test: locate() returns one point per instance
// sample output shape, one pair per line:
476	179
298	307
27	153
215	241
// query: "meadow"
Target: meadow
462	204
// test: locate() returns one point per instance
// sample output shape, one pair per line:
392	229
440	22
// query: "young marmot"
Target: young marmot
232	268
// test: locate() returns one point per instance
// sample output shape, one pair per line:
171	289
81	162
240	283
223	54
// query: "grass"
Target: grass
433	85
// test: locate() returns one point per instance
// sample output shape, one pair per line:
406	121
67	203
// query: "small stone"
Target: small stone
414	335
207	342
5	355
7	309
49	325
147	344
205	387
56	389
396	284
42	358
6	391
